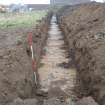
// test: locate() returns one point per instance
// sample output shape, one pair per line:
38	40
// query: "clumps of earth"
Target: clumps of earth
84	29
16	73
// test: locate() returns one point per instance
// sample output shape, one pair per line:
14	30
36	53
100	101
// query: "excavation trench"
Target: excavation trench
54	74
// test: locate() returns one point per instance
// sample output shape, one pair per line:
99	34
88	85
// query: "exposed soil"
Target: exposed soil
84	29
56	76
16	74
69	56
56	79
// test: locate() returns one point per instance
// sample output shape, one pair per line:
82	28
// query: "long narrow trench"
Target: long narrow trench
58	80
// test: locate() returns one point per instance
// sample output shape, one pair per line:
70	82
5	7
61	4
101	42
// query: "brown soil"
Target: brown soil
16	74
56	78
84	29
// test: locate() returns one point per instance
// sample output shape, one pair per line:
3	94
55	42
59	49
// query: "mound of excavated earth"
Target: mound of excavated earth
84	29
16	74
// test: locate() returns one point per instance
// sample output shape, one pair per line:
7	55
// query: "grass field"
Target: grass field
9	20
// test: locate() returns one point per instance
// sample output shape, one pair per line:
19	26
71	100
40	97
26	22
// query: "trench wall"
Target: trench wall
16	74
84	30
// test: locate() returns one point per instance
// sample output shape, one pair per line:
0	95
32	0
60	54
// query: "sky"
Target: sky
98	0
31	1
25	1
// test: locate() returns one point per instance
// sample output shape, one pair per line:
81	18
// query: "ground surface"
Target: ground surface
55	78
84	28
15	65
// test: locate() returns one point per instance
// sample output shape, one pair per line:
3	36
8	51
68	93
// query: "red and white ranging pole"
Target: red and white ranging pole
32	55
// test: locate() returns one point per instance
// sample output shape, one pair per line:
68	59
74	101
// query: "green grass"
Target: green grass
70	101
9	20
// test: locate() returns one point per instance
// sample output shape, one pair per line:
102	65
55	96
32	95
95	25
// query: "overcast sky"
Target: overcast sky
25	1
31	1
98	0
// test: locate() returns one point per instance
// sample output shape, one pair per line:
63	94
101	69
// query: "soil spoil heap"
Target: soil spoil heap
84	29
